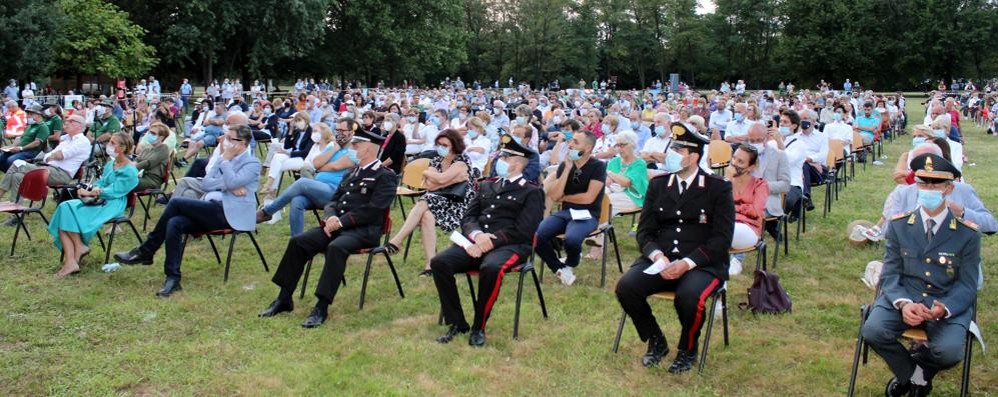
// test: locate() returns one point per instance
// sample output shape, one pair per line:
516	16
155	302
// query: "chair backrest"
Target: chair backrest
857	141
604	212
718	153
34	185
412	174
835	152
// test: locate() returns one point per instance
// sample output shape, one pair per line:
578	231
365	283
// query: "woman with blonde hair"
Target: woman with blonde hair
288	155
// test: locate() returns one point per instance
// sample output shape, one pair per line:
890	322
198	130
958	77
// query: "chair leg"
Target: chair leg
17	230
100	239
146	206
304	280
967	354
363	287
214	249
258	251
471	289
398	284
858	352
540	294
620	330
516	310
408	242
706	338
228	258
135	231
616	249
602	272
786	236
724	313
110	242
402	207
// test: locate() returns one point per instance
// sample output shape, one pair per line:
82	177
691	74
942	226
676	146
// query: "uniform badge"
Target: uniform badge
700	181
363	190
942	260
952	224
911	219
949	271
703	217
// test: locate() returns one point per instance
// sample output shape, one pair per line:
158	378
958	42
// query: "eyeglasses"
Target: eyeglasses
342	130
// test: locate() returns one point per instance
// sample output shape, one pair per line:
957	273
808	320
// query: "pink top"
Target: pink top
750	204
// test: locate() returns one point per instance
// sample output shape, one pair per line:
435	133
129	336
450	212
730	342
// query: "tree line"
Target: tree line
885	44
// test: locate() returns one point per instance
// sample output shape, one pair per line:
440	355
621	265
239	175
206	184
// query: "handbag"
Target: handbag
65	193
766	295
454	192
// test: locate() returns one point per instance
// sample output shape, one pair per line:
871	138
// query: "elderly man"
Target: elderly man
63	162
738	127
30	143
228	204
653	151
929	279
353	220
773	168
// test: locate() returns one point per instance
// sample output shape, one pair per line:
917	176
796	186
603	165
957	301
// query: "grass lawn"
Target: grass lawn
105	333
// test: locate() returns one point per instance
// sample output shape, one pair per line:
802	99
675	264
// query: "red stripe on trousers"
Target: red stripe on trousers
495	290
698	320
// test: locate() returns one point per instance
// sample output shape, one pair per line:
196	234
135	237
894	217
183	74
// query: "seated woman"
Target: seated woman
258	121
393	150
74	223
750	194
152	160
626	181
289	155
919	135
478	144
331	159
449	167
604	149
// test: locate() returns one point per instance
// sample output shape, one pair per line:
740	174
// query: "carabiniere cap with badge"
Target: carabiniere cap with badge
684	137
362	135
509	147
931	168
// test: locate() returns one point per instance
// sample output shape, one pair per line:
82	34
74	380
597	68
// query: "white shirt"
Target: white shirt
840	131
719	119
478	159
956	153
75	151
737	128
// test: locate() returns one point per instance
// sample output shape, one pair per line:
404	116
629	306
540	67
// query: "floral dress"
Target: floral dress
447	212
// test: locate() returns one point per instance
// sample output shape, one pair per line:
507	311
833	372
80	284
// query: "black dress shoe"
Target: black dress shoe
658	347
276	307
895	389
169	287
452	332
133	257
315	319
477	338
684	361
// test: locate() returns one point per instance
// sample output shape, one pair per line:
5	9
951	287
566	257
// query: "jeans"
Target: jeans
303	195
6	159
575	232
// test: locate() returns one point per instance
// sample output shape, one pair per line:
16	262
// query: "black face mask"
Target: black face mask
805	125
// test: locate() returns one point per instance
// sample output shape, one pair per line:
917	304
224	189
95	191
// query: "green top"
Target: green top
637	172
34	132
152	161
109	125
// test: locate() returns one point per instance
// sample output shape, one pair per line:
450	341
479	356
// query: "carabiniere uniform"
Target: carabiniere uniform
695	224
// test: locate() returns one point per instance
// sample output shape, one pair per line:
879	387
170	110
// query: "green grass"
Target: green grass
104	333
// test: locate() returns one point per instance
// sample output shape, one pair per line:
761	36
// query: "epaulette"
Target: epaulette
967	223
904	214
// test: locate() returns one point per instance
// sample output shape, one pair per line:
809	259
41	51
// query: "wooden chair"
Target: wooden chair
411	184
719	155
604	229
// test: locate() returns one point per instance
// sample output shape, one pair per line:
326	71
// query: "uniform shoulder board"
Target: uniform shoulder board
523	181
968	223
901	215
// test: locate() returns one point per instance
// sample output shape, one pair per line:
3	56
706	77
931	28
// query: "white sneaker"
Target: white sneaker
878	162
566	275
735	267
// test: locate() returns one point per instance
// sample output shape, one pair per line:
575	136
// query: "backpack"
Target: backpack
766	295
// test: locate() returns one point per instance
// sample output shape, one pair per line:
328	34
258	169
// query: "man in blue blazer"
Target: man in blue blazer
229	203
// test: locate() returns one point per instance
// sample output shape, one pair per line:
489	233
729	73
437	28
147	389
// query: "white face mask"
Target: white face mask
387	126
316	137
300	125
111	151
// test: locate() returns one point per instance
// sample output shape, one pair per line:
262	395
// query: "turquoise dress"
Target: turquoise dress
73	216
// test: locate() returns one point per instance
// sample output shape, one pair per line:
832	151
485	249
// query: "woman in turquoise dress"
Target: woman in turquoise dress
74	224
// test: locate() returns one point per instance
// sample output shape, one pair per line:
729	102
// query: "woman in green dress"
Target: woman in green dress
153	153
74	223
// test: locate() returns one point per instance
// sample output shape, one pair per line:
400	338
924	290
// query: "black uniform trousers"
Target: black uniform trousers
945	348
692	291
491	267
303	247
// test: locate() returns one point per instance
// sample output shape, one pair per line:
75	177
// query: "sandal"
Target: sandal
391	249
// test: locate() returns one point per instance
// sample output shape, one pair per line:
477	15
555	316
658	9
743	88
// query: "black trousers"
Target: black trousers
692	290
303	247
491	267
812	175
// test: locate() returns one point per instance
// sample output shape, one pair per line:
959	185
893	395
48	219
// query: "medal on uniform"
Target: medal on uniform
363	190
942	260
703	217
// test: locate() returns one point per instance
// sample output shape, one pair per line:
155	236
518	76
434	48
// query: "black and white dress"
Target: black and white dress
447	212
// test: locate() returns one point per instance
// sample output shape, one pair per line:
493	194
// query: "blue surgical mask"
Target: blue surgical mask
939	133
739	117
472	134
673	161
659	130
151	138
442	151
635	125
568	135
502	168
784	131
930	199
517	139
918	140
521	120
837	117
352	155
606	128
574	154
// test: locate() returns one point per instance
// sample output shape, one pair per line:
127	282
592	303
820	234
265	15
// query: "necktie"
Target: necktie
682	187
930	225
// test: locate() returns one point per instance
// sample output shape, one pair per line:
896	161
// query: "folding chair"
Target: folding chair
232	243
371	252
34	187
915	334
114	222
718	155
150	194
721	293
411	183
782	231
605	229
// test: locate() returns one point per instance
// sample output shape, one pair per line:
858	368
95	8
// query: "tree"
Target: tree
99	39
26	41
